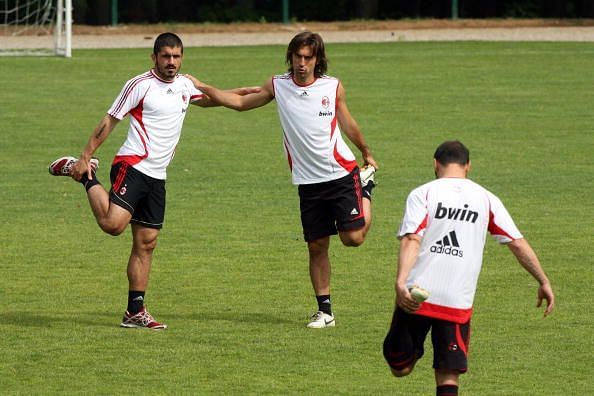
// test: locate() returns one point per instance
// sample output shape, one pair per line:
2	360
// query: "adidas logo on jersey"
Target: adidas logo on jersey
465	214
447	245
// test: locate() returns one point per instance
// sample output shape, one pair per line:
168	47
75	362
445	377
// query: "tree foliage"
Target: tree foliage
98	12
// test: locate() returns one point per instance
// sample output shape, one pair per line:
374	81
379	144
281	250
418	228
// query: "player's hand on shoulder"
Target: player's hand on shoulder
197	83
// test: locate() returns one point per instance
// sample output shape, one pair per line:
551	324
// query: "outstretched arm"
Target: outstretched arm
528	259
350	127
207	101
99	135
239	99
409	251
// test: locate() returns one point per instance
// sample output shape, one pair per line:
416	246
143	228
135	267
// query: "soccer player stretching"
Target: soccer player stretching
335	196
157	102
442	237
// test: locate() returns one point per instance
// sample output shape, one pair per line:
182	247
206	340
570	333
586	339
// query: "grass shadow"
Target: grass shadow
238	317
31	319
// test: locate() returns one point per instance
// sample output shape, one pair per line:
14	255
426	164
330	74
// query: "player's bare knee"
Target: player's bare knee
111	228
353	239
148	244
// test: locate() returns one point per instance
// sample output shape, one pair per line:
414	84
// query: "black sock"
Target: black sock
447	390
135	301
84	180
368	189
324	304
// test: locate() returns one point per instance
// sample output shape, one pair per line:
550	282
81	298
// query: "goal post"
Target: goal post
36	27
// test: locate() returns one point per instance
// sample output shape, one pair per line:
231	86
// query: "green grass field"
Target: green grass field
230	272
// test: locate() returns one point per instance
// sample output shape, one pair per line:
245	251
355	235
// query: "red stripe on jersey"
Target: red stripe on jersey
494	229
349	166
128	88
456	315
423	225
194	98
136	113
128	159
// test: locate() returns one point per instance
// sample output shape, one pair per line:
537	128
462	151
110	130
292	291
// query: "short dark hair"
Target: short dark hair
167	40
452	152
316	43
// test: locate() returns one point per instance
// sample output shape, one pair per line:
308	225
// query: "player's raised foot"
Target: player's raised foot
63	165
367	175
320	320
418	293
142	319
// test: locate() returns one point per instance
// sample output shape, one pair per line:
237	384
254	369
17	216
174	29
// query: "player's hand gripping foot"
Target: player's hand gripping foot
367	174
418	294
63	166
320	320
142	319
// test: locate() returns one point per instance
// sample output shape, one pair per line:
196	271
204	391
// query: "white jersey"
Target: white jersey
452	215
157	110
312	140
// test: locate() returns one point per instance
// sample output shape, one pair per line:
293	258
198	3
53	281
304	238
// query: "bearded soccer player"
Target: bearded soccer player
335	196
442	237
157	102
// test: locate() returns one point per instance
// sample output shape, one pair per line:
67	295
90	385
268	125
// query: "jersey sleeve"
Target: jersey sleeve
130	96
415	216
501	224
195	94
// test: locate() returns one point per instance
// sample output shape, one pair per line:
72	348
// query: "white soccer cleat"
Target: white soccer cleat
418	294
367	174
321	320
63	166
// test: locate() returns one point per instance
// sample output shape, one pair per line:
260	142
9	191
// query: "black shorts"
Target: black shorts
330	206
139	194
404	342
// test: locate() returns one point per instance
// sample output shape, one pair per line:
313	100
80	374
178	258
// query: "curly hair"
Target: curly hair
315	42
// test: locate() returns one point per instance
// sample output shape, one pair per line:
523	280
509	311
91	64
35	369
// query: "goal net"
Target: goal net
36	27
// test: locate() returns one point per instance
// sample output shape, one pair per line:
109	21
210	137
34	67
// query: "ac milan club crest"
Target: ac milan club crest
325	102
123	190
